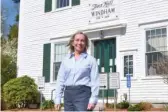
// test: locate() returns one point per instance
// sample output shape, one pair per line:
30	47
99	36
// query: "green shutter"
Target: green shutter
46	61
48	5
75	2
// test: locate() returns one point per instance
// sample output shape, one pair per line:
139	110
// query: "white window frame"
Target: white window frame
62	8
146	52
143	25
53	60
127	52
128	64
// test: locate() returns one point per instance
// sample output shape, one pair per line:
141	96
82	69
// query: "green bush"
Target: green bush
136	107
47	104
123	105
146	106
19	92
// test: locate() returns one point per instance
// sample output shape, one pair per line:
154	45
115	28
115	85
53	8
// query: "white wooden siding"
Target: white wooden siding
37	28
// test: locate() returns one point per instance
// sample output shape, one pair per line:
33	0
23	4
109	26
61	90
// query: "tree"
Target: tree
8	69
13	33
9	53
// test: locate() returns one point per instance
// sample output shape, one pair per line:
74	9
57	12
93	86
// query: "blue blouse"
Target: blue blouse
83	71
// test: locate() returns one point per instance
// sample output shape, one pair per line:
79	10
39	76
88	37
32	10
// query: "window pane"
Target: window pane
159	65
56	68
152	33
151	70
147	35
158	31
62	3
125	71
57	49
59	53
130	63
149	58
130	57
131	70
67	2
125	61
158	41
148	47
164	32
60	49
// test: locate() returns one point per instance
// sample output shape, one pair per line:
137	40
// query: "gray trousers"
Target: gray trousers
76	98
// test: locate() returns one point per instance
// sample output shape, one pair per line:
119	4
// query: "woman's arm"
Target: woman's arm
60	83
94	82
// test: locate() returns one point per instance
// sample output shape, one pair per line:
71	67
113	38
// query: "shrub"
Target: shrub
62	104
145	105
47	104
166	107
111	105
123	105
3	104
136	107
19	92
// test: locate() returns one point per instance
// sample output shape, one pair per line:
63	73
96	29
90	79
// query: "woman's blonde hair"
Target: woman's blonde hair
70	43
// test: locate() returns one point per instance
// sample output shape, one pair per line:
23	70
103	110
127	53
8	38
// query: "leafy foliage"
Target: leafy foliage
47	104
8	60
19	92
123	105
136	107
13	33
146	106
17	18
9	55
8	69
9	48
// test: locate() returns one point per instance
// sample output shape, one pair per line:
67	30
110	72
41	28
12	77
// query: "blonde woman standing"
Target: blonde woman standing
78	77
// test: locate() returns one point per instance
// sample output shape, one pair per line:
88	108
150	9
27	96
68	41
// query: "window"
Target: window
58	4
128	65
64	3
60	51
156	51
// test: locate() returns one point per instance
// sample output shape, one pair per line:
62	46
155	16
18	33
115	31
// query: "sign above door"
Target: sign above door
102	10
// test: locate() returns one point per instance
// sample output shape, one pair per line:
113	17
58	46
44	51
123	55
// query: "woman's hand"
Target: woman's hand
57	107
90	106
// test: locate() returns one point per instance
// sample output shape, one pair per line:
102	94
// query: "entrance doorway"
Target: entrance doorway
105	54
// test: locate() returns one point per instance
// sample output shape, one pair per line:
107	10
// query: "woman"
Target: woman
78	77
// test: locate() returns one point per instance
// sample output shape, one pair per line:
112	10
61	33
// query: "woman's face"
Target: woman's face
79	43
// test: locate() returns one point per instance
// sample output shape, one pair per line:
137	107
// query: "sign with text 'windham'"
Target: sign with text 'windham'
102	10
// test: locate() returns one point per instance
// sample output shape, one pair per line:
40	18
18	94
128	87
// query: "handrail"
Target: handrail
52	93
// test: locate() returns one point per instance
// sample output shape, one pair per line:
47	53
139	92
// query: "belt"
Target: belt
75	87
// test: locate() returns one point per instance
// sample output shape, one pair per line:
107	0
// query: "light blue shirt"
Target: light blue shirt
83	71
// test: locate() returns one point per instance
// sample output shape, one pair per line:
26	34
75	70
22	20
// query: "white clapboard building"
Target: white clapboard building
126	36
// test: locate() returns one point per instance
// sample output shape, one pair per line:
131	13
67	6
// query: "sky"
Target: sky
12	10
